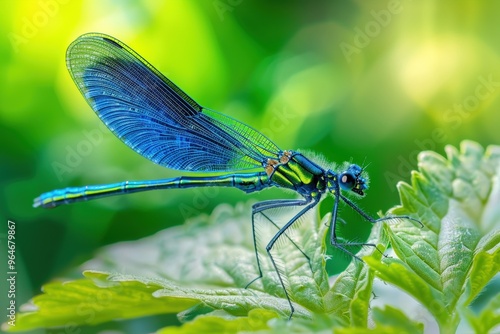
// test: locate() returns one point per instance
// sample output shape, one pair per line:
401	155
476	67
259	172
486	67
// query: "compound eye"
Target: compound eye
347	181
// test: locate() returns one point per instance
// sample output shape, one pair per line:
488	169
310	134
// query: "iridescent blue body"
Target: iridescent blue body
247	183
158	120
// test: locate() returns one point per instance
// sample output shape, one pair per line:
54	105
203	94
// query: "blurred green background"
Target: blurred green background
363	81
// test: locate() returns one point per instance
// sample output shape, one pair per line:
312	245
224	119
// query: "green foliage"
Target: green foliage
488	318
197	270
449	262
98	298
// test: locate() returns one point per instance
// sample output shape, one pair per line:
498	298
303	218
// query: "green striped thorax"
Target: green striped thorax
294	171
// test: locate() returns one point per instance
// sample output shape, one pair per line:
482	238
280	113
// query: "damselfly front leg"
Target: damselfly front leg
333	232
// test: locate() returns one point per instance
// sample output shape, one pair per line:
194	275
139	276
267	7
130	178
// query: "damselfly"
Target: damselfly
158	120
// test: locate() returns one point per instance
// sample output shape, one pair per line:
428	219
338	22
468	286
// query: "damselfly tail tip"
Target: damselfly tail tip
37	202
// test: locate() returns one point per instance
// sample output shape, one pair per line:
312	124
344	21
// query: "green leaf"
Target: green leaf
395	318
352	290
218	252
207	261
97	298
388	320
448	262
256	320
102	297
488	318
320	323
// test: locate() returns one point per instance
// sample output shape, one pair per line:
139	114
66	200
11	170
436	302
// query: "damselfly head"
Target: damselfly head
352	179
